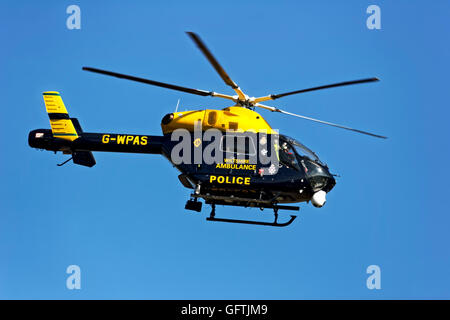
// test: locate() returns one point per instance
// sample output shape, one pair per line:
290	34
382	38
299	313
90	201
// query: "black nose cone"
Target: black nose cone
319	177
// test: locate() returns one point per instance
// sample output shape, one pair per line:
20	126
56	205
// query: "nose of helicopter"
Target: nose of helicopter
321	182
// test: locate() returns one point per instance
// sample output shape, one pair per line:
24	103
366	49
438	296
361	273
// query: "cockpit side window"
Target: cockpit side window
287	156
301	150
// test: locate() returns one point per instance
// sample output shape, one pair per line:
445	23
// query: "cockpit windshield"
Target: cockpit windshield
300	149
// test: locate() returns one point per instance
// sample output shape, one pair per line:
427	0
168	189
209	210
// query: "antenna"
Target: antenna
176	109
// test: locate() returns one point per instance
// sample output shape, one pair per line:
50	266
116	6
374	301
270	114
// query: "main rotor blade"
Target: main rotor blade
319	121
159	84
340	84
225	77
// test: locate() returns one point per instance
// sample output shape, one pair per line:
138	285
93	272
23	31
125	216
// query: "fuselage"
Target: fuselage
295	179
229	156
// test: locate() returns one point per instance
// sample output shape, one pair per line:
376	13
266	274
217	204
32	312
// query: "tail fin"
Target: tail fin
62	125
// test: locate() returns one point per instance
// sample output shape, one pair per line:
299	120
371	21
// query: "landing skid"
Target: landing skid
259	223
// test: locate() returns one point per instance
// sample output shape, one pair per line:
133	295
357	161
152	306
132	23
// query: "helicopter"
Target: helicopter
248	163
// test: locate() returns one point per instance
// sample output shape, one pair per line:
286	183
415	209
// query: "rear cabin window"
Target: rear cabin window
237	144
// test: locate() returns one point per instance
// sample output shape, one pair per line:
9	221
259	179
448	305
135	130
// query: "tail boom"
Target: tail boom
107	142
66	135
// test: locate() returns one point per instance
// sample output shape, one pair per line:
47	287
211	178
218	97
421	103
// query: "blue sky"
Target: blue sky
123	221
